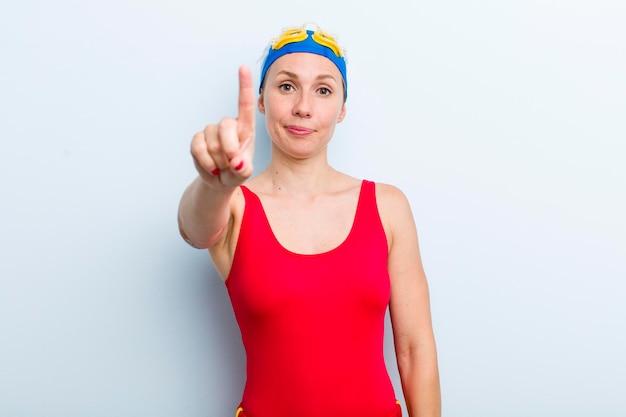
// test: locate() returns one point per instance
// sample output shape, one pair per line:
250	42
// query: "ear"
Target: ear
342	113
261	103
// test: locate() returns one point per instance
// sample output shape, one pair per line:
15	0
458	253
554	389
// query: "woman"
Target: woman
311	257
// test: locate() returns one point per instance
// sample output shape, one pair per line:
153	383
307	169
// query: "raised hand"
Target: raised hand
222	153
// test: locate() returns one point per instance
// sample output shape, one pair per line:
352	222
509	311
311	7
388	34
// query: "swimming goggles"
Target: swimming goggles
299	34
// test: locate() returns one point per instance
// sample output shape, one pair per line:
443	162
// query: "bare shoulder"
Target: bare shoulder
391	200
237	208
395	211
222	252
237	202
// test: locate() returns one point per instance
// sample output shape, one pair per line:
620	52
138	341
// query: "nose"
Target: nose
303	105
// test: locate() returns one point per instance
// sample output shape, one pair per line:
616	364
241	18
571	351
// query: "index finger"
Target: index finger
245	119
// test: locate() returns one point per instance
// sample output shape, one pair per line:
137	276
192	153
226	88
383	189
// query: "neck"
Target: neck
300	177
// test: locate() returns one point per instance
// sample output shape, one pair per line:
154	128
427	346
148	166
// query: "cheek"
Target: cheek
270	115
276	111
337	115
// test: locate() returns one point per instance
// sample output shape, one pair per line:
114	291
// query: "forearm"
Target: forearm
419	376
204	213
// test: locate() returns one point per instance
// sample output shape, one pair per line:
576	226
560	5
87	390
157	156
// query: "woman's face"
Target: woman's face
302	101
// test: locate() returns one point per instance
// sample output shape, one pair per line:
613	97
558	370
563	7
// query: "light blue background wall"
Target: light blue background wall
503	121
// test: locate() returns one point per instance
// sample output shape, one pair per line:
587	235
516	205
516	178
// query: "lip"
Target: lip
299	130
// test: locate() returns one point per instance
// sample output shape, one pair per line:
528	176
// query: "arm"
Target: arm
409	308
222	155
204	213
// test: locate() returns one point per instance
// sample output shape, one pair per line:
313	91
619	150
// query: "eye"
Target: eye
285	87
324	91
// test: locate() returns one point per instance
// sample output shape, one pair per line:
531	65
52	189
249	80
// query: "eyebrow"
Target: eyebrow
294	75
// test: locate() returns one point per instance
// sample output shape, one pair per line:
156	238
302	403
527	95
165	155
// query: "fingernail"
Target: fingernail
238	167
216	171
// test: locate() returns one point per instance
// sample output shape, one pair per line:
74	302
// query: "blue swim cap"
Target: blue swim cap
305	40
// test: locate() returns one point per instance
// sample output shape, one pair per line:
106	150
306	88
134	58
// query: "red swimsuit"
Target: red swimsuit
312	325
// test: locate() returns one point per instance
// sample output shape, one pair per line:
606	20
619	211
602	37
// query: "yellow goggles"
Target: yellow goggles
299	34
